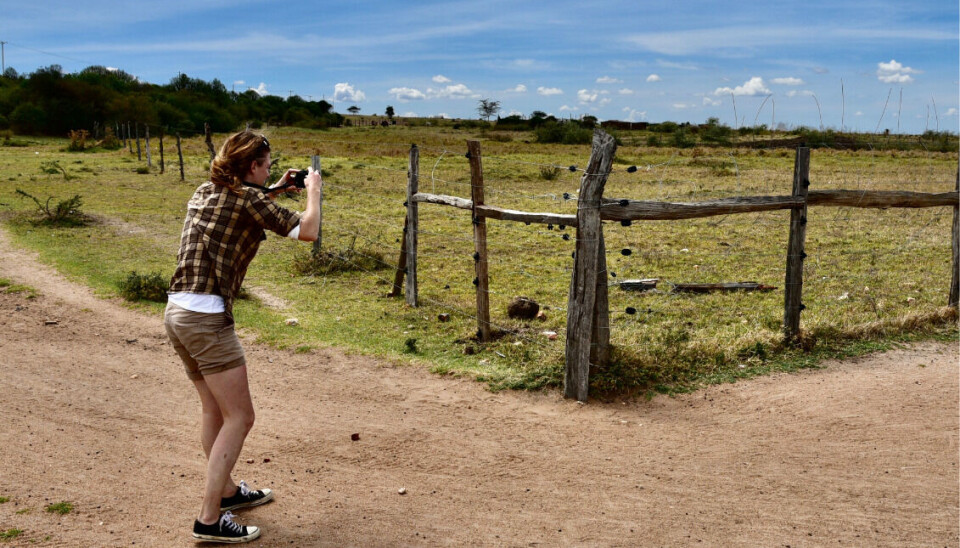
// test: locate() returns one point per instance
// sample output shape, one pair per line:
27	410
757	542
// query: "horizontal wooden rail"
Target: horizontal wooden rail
491	212
880	198
632	210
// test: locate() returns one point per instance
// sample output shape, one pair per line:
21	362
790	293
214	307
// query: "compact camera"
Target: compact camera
298	179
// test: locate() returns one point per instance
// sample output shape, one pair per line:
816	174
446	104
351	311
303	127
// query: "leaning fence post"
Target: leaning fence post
413	183
161	150
582	302
318	243
149	158
208	139
482	280
401	263
955	276
180	155
793	283
136	132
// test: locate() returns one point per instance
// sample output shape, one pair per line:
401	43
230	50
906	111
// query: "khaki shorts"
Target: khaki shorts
207	343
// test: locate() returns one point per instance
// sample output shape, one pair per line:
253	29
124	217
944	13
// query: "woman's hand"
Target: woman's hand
284	181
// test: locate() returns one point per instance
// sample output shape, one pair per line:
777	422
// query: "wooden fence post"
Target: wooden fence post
600	335
180	155
482	280
413	186
401	263
129	139
318	243
136	133
149	158
793	284
161	150
582	303
208	139
955	276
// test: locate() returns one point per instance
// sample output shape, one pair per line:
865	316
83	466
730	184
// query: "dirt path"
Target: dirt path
96	411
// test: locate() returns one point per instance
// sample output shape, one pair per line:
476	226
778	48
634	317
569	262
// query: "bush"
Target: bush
549	173
567	133
110	141
65	214
349	259
78	140
144	287
143	170
681	139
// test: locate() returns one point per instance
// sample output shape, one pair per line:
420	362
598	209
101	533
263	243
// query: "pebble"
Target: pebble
292	321
402	491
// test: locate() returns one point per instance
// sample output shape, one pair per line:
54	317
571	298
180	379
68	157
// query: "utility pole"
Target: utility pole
3	57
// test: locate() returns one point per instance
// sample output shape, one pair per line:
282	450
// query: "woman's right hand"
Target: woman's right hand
313	182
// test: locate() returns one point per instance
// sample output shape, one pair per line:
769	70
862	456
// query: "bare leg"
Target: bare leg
232	394
212	421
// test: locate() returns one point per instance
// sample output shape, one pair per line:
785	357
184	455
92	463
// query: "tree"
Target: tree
389	112
487	108
354	109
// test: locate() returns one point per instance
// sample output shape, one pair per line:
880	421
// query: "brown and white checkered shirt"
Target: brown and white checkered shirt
221	235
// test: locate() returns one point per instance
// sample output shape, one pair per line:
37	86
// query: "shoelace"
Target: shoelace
226	522
244	490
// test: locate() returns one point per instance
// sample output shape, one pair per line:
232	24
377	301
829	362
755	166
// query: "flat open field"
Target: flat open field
871	276
97	413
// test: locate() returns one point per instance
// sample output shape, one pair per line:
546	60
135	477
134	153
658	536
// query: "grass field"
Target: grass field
872	278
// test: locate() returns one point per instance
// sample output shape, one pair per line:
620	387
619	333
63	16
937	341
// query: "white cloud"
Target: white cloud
566	108
950	112
407	94
711	102
410	114
441	79
608	80
261	89
821	70
605	101
753	86
343	91
858	113
895	73
519	89
654	78
625	91
112	69
681	105
455	91
803	93
514	113
585	96
549	91
789	81
635	115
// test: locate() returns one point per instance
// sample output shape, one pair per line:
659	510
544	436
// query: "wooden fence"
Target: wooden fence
588	325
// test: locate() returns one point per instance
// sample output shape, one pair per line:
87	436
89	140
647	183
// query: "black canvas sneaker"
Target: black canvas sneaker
245	498
225	530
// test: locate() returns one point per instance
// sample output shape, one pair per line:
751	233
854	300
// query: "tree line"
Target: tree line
50	102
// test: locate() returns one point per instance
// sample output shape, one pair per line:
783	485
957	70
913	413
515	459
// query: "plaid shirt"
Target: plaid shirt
221	235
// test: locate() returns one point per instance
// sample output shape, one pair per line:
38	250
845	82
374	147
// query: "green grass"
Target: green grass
23	511
10	534
8	286
3	499
872	276
61	508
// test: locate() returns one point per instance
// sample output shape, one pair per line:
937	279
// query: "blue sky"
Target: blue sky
768	61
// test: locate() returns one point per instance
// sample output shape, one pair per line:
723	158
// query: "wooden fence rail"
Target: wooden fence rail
588	333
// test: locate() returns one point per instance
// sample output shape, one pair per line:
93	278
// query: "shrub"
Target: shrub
110	141
143	170
681	139
65	214
549	173
348	259
78	140
567	133
144	287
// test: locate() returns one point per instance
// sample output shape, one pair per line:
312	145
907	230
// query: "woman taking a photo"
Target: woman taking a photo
225	223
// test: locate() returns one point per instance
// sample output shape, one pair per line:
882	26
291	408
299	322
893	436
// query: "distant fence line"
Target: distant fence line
588	324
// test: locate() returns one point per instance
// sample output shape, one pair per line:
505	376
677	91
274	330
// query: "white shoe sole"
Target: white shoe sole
230	540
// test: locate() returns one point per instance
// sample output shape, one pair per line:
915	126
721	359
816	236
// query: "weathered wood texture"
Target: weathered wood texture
413	183
880	198
136	132
160	138
208	140
147	141
581	313
600	335
727	286
955	238
180	156
793	283
401	264
482	280
491	212
318	243
633	210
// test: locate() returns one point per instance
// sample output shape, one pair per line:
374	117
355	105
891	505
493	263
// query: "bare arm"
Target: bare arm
310	219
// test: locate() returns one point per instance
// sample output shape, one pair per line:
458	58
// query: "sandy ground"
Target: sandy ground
97	411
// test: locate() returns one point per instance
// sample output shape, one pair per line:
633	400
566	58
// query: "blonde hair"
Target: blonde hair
232	163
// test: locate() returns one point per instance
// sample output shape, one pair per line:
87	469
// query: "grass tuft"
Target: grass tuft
144	287
61	508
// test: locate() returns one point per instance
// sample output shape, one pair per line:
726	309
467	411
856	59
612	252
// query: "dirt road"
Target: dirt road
97	411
